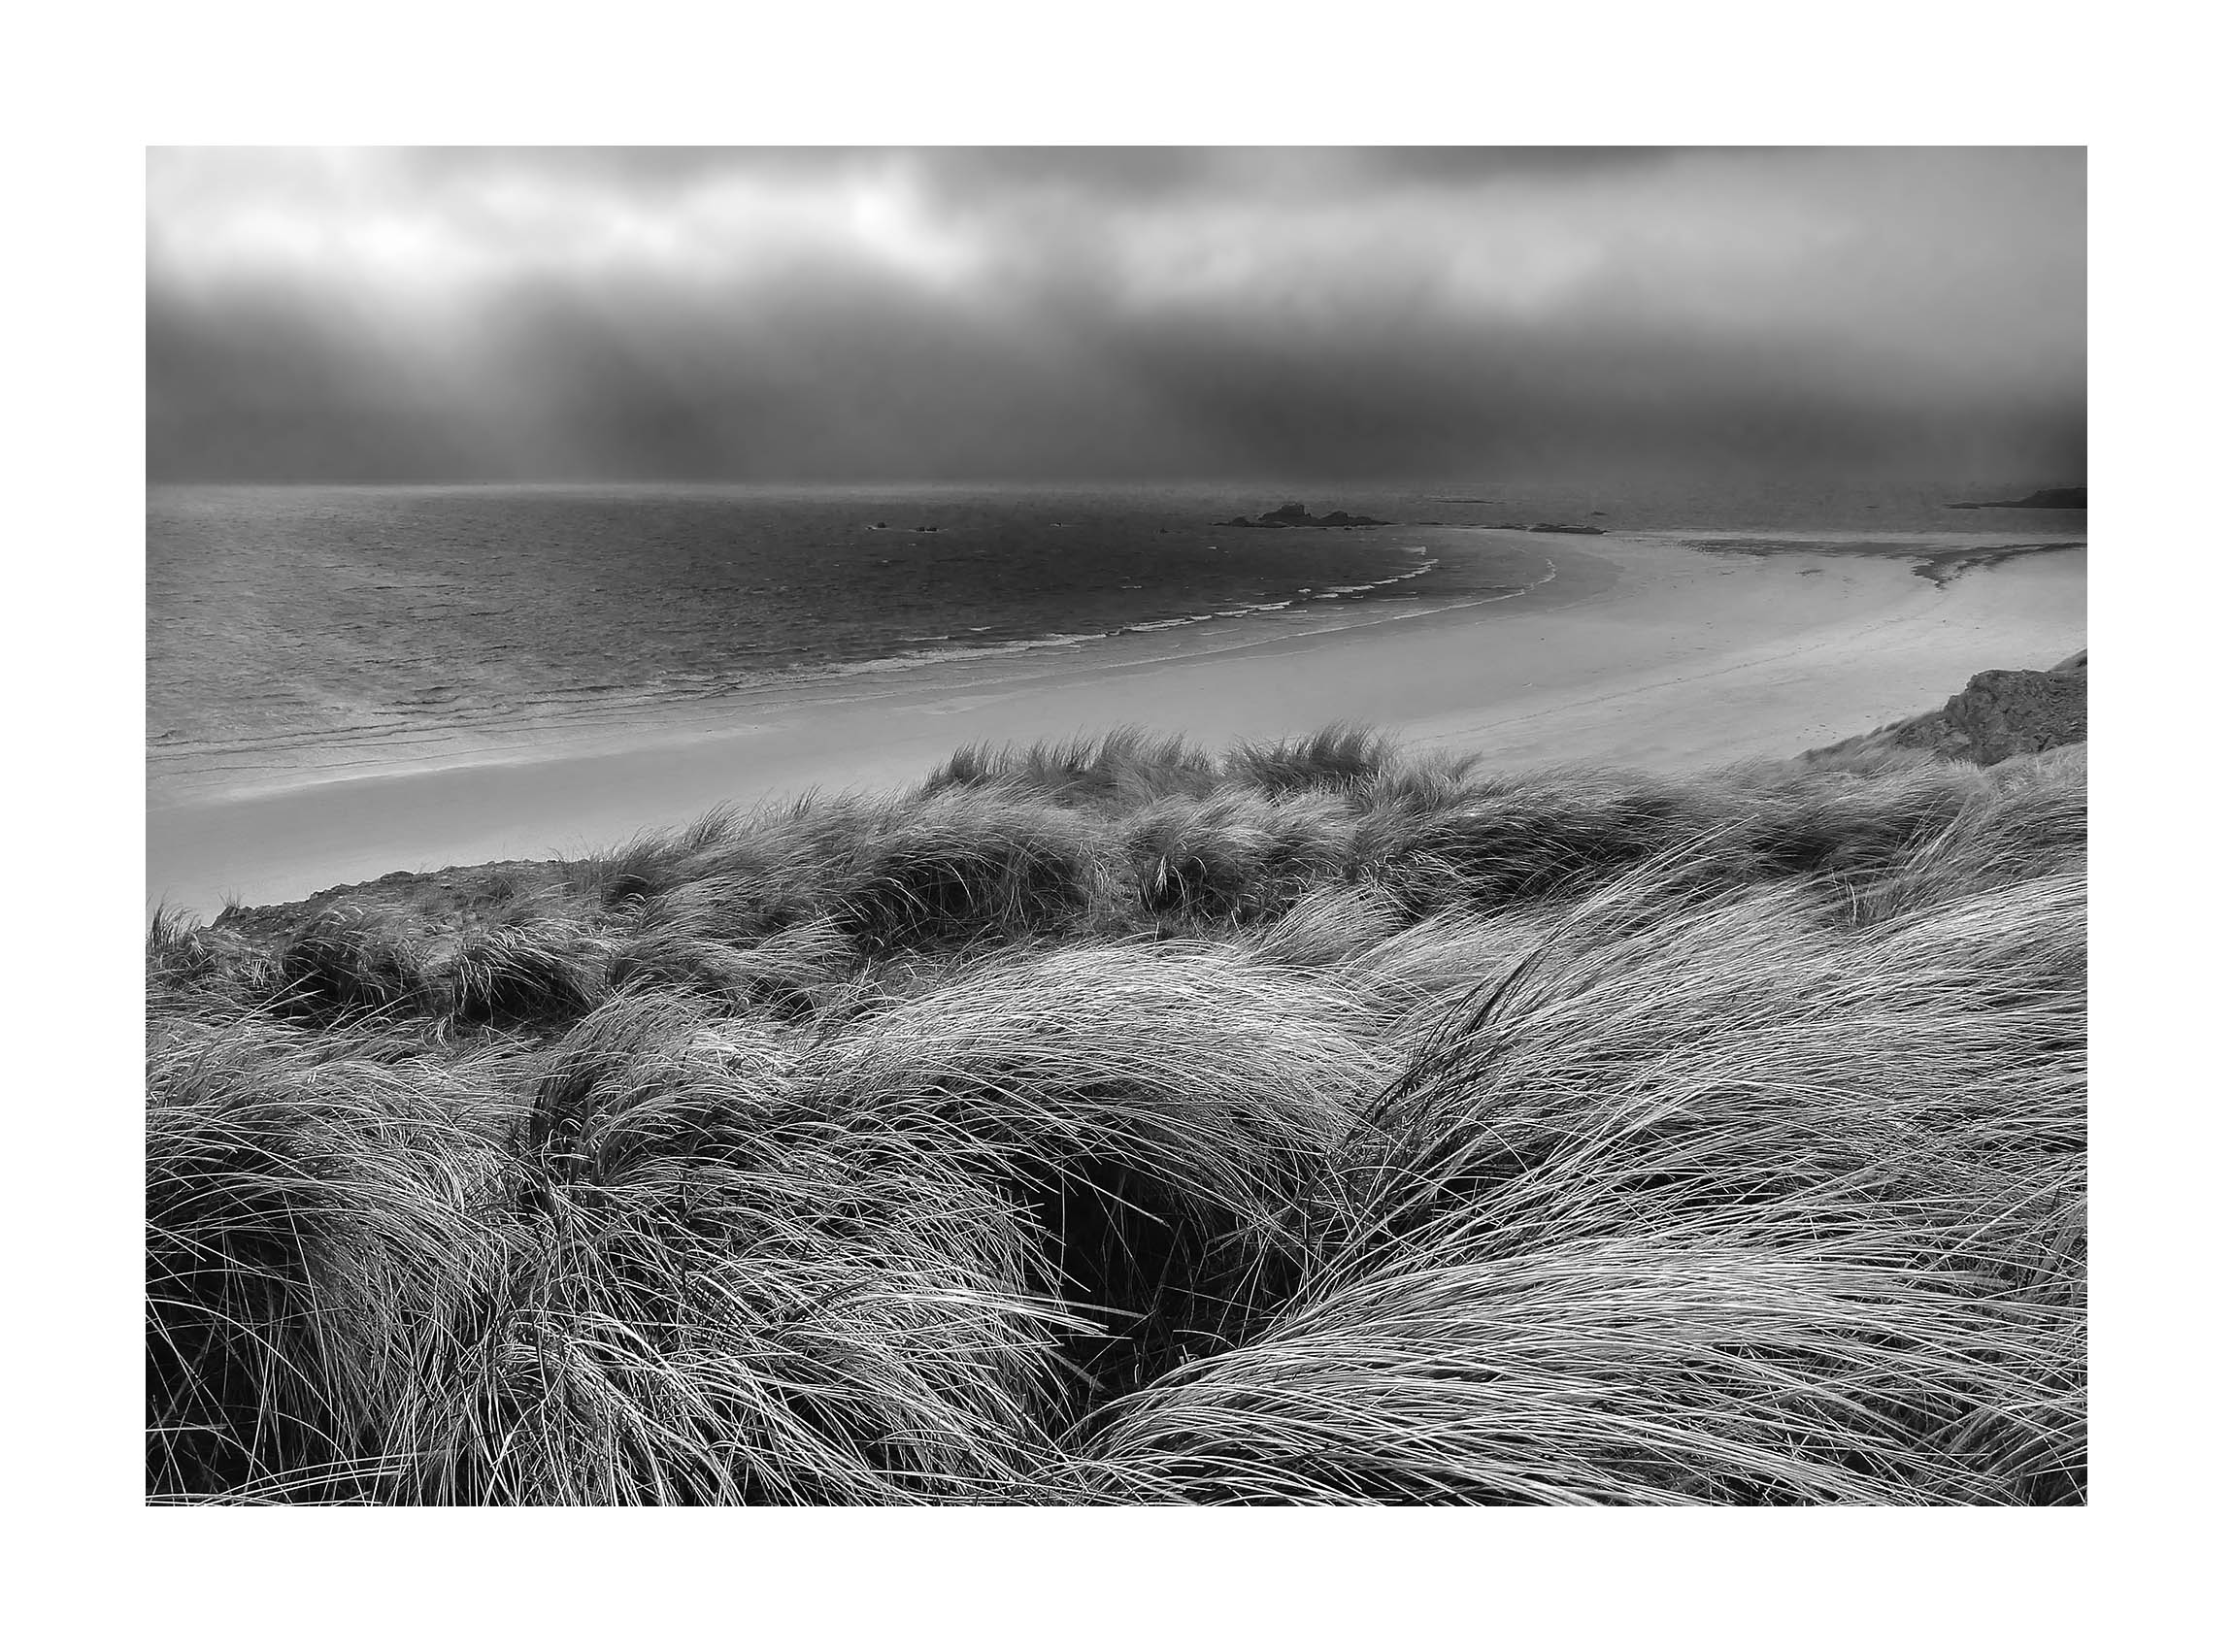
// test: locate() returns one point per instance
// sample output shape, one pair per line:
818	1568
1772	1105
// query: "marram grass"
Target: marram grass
1113	1122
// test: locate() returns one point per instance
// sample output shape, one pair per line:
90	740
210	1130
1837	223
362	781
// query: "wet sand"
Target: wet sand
1640	653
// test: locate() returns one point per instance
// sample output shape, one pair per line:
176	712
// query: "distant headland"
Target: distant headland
2046	499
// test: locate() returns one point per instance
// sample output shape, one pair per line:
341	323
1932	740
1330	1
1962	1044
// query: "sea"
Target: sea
299	632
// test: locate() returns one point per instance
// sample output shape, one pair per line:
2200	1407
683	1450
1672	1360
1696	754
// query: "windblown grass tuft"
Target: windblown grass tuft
1110	1123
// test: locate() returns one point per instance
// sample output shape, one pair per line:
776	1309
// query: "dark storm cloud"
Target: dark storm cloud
1133	172
981	314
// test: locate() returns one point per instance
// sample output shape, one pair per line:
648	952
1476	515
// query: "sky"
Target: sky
1122	315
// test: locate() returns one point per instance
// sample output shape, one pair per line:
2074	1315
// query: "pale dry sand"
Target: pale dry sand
1641	653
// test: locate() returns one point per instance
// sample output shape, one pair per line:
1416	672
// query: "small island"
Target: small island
2044	499
1295	516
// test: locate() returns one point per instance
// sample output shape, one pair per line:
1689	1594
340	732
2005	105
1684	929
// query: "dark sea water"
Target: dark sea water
292	626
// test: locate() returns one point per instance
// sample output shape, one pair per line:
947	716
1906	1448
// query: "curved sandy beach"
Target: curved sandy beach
1640	653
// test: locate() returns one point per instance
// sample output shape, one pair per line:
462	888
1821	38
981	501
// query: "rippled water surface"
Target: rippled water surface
291	620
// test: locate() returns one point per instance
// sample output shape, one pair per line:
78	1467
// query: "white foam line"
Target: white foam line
589	706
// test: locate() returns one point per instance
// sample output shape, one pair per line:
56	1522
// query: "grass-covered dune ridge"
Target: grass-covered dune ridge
1117	1122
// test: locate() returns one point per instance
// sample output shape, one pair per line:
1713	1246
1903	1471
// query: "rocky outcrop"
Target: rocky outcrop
2005	713
2000	715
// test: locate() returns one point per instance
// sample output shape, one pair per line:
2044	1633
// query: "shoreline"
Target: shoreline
206	775
1640	652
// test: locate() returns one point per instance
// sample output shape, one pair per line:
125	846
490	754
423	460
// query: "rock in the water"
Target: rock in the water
1294	515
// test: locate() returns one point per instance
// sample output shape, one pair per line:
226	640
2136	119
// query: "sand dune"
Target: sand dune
1642	652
